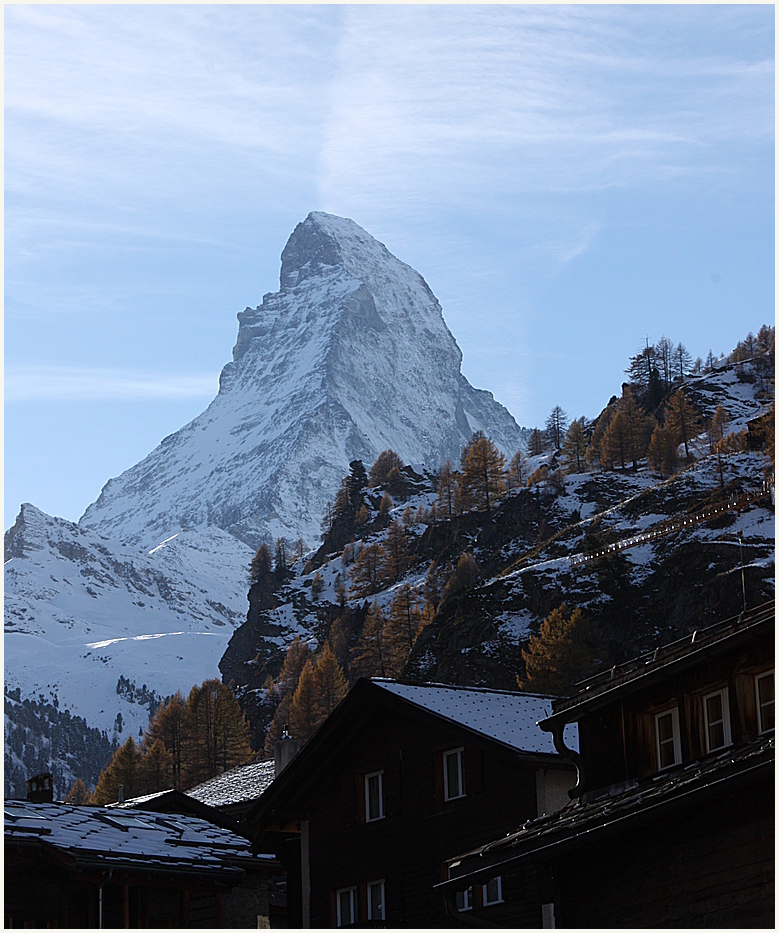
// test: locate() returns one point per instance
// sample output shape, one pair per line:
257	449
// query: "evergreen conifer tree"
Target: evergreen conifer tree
559	655
304	715
575	446
481	482
124	770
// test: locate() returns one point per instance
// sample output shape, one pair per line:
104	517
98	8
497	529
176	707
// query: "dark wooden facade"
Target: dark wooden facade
709	865
618	742
672	823
91	867
323	794
41	891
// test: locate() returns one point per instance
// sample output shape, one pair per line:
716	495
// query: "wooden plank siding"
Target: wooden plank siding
712	866
407	849
618	741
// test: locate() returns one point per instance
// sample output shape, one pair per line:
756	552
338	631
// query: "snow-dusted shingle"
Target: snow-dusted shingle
246	782
510	718
177	841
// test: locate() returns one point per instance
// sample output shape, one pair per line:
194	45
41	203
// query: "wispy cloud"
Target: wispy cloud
496	101
66	383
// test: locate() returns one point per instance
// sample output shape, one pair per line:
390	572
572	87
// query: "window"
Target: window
376	900
717	716
374	796
764	684
345	906
453	774
492	892
464	899
669	751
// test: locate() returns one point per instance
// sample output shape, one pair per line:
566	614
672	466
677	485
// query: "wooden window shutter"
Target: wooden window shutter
438	776
392	792
349	799
474	771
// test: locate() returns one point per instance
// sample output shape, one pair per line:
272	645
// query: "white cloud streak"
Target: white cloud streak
68	383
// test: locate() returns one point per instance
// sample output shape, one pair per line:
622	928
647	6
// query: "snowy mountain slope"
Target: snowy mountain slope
81	611
350	357
523	551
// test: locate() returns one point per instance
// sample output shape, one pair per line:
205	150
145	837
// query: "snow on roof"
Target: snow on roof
510	718
246	782
177	841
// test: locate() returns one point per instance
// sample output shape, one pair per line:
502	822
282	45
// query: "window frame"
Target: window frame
499	899
373	884
761	729
726	733
380	776
460	758
677	744
352	891
467	899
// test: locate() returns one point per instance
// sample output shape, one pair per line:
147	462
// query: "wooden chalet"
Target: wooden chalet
398	778
672	818
86	866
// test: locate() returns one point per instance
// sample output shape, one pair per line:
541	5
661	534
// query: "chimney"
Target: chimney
284	751
121	794
40	789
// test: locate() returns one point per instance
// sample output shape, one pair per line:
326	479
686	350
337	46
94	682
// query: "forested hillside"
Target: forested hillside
487	571
600	540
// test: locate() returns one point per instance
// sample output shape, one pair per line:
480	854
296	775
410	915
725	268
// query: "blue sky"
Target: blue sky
568	180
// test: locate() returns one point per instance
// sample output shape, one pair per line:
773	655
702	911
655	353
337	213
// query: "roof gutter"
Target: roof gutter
574	839
100	898
571	755
634	680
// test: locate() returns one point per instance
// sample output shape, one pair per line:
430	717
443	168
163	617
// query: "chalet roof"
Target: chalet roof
507	717
497	717
176	801
128	838
239	785
605	687
617	807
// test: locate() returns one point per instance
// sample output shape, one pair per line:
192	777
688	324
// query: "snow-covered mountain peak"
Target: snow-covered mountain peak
350	357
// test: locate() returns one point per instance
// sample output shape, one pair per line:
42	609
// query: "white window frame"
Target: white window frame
339	920
459	753
499	899
382	909
677	745
758	677
723	694
380	776
465	898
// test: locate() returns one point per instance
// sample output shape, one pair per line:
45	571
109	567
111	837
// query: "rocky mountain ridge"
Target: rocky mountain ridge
350	357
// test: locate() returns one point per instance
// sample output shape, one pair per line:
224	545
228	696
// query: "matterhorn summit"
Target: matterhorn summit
351	356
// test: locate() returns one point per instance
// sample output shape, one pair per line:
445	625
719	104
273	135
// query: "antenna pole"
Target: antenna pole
741	552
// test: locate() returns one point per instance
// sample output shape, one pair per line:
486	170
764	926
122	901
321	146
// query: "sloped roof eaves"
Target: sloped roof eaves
175	801
283	796
648	669
573	825
85	838
507	718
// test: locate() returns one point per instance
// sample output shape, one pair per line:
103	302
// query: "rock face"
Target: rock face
350	357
